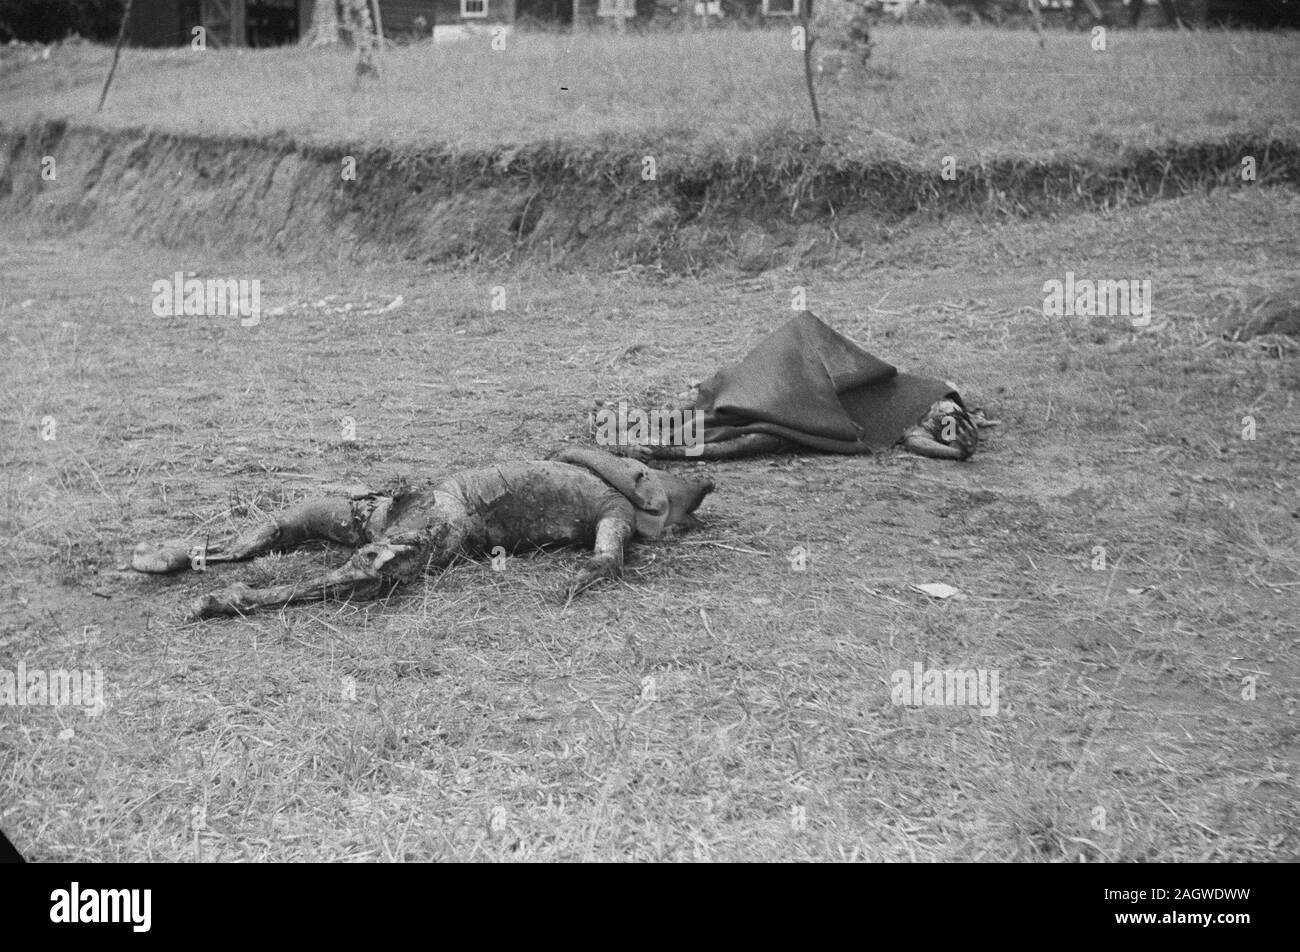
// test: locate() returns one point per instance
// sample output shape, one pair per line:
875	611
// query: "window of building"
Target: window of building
780	8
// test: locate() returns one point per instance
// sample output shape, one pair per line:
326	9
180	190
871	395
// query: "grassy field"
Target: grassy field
965	92
491	722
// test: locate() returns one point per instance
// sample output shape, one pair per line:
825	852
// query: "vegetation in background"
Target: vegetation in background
959	91
48	21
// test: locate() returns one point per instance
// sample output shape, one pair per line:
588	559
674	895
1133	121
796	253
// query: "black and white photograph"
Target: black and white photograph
651	431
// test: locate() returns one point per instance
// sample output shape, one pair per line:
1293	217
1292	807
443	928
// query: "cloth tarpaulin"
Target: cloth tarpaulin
811	385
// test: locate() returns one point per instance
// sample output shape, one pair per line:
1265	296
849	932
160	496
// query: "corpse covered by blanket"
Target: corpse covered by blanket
809	384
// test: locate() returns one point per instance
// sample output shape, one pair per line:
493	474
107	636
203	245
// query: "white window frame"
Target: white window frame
792	12
467	14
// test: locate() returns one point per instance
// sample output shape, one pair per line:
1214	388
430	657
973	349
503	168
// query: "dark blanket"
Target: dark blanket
811	385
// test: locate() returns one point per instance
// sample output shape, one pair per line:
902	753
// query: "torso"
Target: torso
518	505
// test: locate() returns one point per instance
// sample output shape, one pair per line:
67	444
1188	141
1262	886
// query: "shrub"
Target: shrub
48	21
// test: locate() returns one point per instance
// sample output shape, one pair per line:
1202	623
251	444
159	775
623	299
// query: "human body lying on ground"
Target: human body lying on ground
581	497
806	385
945	431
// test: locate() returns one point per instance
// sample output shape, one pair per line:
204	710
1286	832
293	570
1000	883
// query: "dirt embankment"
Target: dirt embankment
572	207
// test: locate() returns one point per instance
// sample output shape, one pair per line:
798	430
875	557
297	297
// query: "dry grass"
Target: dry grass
491	723
971	93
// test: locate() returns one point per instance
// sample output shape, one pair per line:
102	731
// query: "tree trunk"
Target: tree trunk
324	23
1037	15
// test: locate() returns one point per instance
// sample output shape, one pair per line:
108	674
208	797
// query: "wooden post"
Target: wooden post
807	60
117	51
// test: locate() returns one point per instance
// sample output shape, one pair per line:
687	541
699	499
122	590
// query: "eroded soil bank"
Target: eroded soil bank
567	207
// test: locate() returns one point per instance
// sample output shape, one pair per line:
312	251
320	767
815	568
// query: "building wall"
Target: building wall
168	22
399	16
546	11
561	11
161	22
668	11
448	11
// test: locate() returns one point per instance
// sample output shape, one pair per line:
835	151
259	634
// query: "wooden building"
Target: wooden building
226	22
281	22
